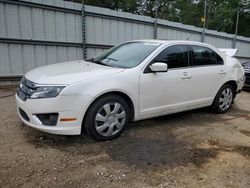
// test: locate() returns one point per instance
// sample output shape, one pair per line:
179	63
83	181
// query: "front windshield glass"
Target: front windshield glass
126	55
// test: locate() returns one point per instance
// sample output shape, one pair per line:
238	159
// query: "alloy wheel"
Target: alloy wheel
225	99
110	119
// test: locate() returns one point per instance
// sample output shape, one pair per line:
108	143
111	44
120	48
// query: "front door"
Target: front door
165	92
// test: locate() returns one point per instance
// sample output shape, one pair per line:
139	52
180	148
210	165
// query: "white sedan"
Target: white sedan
129	82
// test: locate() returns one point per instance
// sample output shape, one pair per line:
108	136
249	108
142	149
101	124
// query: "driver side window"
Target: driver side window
175	56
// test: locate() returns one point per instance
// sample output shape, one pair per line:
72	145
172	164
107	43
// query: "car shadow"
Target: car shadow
145	144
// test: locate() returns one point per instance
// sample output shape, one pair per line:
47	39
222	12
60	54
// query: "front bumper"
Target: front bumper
66	106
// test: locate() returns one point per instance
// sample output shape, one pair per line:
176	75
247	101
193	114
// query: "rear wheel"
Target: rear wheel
107	117
223	99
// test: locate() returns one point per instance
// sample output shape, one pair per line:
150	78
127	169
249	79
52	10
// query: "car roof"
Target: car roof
171	41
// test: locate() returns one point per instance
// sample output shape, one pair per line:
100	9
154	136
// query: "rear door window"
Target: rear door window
205	56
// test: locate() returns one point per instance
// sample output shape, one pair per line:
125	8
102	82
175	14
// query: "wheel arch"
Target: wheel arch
233	83
118	93
215	105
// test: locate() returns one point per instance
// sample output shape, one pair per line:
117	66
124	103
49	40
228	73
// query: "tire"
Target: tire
223	99
107	117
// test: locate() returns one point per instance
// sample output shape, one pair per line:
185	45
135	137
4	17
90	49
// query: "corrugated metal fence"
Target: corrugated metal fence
39	32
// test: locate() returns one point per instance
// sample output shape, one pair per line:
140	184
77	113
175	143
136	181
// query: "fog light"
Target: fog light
48	119
23	114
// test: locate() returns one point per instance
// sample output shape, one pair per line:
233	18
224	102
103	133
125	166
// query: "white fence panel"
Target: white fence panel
34	33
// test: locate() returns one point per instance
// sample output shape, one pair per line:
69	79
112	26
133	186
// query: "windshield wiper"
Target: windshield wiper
96	62
92	60
100	63
109	58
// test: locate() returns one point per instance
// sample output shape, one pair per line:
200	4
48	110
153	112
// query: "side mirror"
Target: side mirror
159	67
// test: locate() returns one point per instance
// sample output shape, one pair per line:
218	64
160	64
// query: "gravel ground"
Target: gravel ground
191	149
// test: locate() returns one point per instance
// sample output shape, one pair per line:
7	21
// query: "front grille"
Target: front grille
24	115
26	89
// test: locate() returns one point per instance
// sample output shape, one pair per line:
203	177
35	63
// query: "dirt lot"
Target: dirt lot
191	149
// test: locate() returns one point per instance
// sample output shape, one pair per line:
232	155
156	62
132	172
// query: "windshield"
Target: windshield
126	55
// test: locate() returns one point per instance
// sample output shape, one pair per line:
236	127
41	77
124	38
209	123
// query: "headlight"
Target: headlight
46	91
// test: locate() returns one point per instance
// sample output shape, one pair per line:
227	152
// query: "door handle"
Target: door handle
222	72
186	76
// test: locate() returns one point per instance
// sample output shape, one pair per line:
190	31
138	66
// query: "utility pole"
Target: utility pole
84	51
236	27
156	17
204	23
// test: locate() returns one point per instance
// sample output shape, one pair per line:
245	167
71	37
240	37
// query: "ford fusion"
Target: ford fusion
129	82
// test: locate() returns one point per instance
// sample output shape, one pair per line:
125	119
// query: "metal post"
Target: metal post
236	28
155	22
155	29
204	23
83	32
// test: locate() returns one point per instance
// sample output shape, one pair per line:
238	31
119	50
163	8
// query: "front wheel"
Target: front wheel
107	117
223	99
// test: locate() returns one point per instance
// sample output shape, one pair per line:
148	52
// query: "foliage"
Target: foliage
221	14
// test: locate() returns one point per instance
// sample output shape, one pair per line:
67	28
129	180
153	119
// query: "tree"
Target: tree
221	14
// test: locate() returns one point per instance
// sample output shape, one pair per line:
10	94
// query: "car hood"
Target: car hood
69	72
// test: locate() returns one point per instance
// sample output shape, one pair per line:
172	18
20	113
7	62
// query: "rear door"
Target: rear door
207	71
